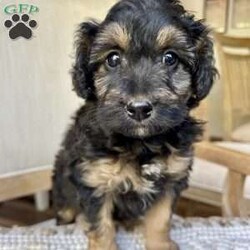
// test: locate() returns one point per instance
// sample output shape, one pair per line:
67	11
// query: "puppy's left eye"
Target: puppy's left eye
170	58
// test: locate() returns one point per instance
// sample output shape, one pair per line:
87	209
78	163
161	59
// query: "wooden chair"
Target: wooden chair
238	166
234	56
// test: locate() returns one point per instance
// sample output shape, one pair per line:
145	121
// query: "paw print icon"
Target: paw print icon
20	26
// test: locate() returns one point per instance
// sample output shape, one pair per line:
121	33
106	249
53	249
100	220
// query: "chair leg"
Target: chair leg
233	198
42	200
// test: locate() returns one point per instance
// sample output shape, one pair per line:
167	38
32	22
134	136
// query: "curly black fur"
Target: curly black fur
100	128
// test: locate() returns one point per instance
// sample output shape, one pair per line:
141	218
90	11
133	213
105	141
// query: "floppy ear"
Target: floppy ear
81	73
204	71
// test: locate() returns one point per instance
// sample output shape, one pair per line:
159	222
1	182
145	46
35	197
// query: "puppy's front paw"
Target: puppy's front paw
166	245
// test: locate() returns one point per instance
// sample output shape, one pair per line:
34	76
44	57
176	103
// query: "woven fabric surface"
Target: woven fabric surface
190	234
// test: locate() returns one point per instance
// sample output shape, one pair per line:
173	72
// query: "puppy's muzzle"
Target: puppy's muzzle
139	110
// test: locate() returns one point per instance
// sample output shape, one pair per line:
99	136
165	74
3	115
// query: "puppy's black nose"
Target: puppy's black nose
139	110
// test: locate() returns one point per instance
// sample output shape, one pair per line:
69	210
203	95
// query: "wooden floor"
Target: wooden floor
22	212
189	208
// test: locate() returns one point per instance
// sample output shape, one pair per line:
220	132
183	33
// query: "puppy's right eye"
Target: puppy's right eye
113	60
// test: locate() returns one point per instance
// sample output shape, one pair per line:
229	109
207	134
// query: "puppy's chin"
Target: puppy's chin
137	131
127	128
145	131
141	132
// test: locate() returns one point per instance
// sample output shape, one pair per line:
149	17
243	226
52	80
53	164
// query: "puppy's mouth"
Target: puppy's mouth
139	119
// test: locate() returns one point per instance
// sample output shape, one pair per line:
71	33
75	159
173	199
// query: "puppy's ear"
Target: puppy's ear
82	74
204	72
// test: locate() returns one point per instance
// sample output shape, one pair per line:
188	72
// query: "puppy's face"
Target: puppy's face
142	67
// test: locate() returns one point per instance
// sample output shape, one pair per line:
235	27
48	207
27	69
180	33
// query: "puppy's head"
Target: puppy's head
146	65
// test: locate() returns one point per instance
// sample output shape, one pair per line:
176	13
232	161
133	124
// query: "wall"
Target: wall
195	6
36	100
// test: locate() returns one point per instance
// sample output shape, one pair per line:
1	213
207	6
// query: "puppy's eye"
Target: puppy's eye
170	58
113	59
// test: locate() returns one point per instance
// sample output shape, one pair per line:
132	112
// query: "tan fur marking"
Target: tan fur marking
115	34
103	238
178	166
108	175
82	221
175	166
156	226
101	79
163	94
67	214
168	35
100	82
182	82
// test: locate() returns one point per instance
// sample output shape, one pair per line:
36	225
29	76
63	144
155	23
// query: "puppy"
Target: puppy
127	156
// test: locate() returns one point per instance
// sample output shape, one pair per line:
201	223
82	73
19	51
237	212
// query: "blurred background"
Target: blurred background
36	103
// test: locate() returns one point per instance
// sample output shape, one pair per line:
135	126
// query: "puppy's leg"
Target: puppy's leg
64	194
156	225
102	237
63	205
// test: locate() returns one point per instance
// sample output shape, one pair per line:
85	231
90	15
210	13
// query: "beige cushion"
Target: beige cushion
211	176
242	133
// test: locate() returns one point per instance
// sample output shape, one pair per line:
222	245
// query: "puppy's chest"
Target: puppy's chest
125	175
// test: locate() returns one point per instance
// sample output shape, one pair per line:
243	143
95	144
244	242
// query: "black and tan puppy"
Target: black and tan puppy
129	151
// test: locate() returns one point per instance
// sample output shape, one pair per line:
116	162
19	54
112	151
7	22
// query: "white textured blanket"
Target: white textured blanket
190	234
